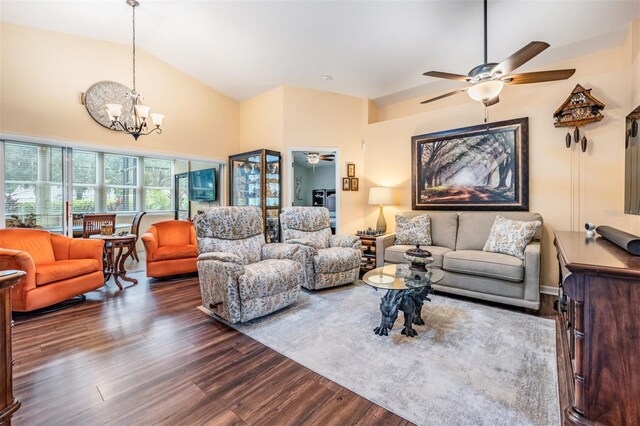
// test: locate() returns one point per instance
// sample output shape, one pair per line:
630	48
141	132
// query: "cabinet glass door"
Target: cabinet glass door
246	189
272	185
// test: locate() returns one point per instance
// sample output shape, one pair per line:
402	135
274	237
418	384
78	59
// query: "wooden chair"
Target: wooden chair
92	223
135	229
76	222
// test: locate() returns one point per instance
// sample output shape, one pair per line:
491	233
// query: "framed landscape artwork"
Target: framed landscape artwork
482	167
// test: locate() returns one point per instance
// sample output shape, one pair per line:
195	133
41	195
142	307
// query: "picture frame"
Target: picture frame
351	170
483	167
346	184
354	184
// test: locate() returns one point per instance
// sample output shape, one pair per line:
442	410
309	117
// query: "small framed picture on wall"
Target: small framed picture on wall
351	170
354	184
346	184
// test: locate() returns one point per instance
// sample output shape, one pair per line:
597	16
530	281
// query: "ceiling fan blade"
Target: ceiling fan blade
539	76
327	157
447	75
446	95
521	57
491	101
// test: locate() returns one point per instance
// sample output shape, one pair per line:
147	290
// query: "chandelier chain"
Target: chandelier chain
134	48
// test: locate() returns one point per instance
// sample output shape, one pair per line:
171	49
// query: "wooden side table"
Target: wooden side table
117	249
371	258
8	404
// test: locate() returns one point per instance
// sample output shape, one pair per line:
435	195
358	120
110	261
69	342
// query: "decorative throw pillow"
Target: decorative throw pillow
412	231
510	237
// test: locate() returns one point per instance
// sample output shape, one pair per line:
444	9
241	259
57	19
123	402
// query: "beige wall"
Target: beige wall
290	117
567	187
43	74
261	122
635	60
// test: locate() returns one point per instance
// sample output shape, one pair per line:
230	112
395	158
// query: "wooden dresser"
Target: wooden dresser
8	405
601	286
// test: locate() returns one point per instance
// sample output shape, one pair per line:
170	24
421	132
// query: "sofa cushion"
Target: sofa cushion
336	259
317	239
269	277
413	230
64	269
444	226
474	227
229	223
175	252
305	218
510	237
35	242
248	249
395	254
173	232
475	262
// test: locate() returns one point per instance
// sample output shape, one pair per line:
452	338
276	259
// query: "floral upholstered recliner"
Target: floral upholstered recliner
330	260
241	277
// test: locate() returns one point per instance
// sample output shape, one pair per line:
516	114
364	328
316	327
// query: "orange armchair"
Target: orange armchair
170	248
57	267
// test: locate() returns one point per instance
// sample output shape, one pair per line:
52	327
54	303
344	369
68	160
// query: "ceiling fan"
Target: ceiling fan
488	79
315	157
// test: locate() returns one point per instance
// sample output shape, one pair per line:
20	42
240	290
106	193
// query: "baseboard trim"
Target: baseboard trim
547	289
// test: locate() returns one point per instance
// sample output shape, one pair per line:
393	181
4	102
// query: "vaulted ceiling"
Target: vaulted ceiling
374	49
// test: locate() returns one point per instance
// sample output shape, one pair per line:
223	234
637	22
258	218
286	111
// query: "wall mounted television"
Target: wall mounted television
202	185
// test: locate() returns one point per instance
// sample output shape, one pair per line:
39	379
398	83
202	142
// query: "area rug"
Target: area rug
470	364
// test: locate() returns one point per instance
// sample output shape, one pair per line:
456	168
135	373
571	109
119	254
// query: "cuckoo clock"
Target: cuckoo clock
579	109
632	126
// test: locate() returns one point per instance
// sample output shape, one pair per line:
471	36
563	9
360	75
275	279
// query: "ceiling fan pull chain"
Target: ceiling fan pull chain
486	113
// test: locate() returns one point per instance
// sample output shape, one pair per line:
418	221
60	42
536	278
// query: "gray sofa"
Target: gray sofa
458	239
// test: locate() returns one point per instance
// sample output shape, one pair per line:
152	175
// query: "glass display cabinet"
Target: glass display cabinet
255	180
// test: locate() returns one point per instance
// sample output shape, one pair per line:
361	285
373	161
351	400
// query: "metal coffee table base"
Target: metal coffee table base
408	301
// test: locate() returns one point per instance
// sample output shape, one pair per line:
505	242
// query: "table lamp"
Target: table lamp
380	195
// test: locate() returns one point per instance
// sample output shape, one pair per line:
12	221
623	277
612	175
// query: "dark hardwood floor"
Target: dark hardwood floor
146	355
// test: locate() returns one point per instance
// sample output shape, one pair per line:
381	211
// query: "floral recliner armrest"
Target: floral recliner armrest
221	256
219	273
349	241
279	251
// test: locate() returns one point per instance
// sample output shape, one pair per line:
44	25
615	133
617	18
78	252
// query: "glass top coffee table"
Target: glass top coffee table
407	289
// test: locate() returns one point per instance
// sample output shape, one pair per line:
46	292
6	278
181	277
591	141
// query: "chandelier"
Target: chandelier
137	126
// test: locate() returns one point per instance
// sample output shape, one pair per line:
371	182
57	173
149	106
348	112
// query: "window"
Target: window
120	183
157	184
85	181
33	185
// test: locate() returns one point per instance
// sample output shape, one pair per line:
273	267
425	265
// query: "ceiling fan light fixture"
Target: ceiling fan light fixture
485	90
313	158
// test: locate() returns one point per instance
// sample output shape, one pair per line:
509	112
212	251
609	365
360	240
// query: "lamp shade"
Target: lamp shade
380	195
485	90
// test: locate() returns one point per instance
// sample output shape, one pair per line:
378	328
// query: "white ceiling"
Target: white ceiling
300	159
374	49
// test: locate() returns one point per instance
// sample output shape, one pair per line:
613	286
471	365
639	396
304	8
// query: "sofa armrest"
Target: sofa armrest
21	260
348	241
532	271
221	256
150	245
381	244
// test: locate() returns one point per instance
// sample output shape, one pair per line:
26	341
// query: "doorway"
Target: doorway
314	178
